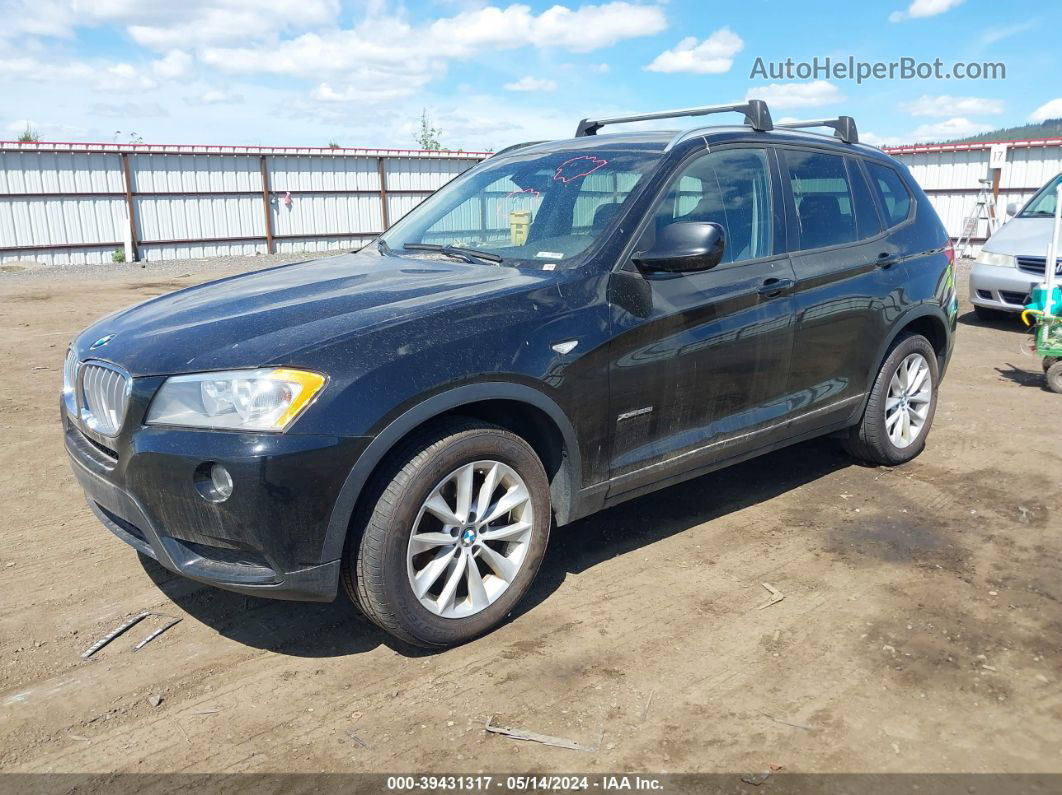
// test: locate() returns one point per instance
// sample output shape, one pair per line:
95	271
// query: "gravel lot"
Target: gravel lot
921	628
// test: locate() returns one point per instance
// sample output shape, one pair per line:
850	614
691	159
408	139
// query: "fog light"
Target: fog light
213	481
222	481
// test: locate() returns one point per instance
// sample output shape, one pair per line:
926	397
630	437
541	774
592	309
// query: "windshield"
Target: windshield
530	209
1043	203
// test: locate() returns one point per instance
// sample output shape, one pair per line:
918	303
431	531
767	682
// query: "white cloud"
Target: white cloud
35	18
103	76
714	55
166	26
797	95
998	33
376	53
924	8
867	137
944	105
531	84
375	85
957	127
175	64
129	111
215	96
1049	110
583	29
386	39
374	60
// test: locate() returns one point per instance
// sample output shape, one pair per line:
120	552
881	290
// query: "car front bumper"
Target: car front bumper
267	539
1003	288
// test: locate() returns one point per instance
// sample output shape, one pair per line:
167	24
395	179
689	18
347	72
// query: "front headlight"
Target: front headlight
999	260
239	400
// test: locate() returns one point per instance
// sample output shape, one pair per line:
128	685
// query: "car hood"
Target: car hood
279	315
1024	237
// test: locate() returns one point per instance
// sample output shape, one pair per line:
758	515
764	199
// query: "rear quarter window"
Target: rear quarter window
893	195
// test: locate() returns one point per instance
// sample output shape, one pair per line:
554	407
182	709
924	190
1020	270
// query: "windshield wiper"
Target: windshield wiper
383	248
1045	213
467	254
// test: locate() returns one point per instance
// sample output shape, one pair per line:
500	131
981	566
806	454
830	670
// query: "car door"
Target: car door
839	262
699	360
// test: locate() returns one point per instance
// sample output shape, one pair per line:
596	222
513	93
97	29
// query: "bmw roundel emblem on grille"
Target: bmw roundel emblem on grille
101	342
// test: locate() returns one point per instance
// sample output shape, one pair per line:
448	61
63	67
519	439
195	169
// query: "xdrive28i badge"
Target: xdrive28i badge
101	342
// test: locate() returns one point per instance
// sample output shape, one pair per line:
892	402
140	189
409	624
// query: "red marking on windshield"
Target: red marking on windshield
577	167
531	191
526	199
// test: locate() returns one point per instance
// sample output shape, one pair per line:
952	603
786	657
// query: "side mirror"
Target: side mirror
1012	209
684	246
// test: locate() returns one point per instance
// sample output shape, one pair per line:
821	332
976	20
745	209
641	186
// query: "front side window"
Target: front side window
1043	203
823	198
528	209
893	195
731	188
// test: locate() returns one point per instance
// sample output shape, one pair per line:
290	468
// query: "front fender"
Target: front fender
434	406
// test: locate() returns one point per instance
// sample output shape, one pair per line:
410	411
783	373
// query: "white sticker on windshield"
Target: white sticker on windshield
549	266
550	255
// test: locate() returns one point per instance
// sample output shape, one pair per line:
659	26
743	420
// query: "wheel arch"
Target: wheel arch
521	409
930	322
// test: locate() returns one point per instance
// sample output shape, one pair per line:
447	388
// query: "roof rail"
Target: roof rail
844	127
514	147
756	113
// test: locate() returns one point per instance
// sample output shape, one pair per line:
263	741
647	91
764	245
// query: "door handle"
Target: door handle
772	288
886	260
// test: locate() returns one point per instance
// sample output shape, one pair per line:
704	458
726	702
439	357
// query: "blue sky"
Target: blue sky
306	72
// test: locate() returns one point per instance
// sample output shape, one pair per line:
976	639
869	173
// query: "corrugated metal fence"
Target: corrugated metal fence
949	174
74	203
78	203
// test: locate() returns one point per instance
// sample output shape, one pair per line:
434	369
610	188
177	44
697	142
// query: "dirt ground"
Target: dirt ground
921	628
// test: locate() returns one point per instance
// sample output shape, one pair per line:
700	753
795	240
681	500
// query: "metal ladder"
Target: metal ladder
984	210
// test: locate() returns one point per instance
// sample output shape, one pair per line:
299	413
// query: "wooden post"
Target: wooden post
385	214
270	246
130	205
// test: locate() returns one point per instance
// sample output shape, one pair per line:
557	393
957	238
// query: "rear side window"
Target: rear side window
823	198
867	219
893	195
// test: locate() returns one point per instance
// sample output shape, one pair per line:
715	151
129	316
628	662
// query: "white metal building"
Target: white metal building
75	203
949	174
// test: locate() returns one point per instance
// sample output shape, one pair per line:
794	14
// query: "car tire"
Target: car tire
879	436
1054	377
988	315
383	565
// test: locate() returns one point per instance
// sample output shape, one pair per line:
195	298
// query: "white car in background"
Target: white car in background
1012	261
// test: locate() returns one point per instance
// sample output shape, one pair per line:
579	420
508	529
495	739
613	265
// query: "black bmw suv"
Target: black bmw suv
565	326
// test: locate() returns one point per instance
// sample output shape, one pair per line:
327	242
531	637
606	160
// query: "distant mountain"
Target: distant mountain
1050	128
